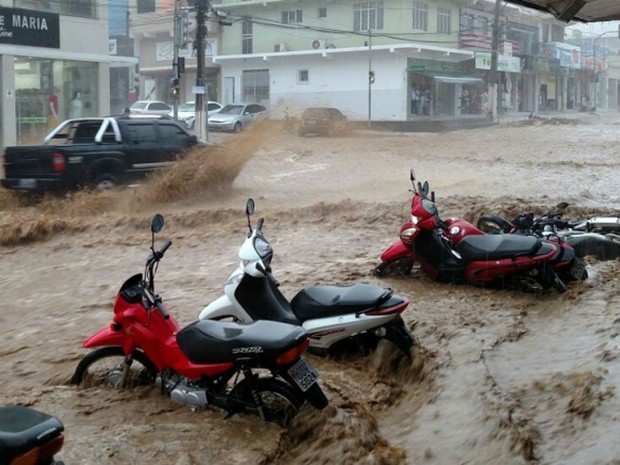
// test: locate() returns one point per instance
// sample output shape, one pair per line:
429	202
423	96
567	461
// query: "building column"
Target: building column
104	89
8	135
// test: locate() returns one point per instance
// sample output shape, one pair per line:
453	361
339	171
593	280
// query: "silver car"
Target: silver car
236	116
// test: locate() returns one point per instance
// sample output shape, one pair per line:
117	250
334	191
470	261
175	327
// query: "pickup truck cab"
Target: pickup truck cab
96	152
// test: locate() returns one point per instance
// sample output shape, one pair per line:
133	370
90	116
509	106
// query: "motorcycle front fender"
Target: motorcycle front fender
397	250
397	334
110	337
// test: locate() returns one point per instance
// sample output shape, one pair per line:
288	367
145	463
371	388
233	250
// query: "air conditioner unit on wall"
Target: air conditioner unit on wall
280	47
319	43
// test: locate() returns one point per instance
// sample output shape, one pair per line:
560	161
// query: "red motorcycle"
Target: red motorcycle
29	437
207	362
457	251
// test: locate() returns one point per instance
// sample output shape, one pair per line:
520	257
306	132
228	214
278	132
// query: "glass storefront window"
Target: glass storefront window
48	92
82	8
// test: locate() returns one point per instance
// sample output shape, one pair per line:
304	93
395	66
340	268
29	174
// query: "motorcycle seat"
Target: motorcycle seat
209	341
23	428
325	301
497	247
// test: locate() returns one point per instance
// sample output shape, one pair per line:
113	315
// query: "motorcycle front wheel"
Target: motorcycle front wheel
271	399
107	366
399	267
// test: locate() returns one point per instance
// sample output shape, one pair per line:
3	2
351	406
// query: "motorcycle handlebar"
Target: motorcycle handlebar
162	309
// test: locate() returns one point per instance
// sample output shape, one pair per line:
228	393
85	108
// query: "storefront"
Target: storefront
444	89
46	77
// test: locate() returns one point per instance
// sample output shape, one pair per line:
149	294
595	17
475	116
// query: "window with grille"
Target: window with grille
246	36
292	16
443	20
322	12
420	16
368	16
255	85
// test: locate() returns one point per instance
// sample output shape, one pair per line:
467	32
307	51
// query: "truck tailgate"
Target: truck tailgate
28	161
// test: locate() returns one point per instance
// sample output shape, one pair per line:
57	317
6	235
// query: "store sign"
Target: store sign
165	50
505	63
27	27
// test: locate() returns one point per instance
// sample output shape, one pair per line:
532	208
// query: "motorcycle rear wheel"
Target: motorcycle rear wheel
105	366
399	267
269	398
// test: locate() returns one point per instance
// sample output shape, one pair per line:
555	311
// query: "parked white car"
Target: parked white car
236	116
150	107
187	112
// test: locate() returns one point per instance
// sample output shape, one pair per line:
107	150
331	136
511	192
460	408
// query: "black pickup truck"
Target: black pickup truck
95	152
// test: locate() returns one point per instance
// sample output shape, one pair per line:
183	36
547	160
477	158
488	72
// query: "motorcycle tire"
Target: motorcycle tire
492	224
280	401
142	370
398	267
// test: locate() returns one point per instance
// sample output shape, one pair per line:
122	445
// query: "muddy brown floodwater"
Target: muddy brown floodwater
500	377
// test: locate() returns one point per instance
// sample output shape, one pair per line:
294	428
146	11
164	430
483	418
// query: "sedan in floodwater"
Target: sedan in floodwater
236	116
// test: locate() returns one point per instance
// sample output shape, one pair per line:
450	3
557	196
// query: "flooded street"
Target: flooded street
500	377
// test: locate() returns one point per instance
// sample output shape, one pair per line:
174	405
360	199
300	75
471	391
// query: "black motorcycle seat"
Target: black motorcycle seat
23	428
496	247
325	301
209	341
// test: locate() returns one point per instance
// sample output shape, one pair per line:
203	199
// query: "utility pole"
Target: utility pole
202	7
371	78
493	85
175	58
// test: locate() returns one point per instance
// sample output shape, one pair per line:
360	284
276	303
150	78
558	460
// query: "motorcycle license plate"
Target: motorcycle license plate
577	269
303	374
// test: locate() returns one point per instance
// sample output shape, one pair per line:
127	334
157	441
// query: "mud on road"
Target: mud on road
500	376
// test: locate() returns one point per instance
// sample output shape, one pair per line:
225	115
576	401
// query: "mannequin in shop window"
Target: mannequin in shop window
75	109
53	109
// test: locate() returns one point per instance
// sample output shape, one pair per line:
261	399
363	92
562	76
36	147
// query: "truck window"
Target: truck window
142	133
85	133
173	134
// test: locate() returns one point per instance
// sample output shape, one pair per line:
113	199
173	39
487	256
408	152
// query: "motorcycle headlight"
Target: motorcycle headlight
414	219
262	247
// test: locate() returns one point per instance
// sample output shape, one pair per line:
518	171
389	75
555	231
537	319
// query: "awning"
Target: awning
579	10
458	79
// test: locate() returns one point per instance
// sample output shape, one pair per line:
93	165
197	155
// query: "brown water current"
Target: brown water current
499	377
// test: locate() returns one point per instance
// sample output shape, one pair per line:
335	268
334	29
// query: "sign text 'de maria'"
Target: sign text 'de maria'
27	27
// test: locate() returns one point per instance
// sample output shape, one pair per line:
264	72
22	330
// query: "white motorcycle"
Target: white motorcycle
335	317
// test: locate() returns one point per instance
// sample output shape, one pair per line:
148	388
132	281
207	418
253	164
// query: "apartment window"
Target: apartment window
83	8
322	12
368	16
420	16
303	75
443	20
467	24
292	16
483	26
146	6
246	37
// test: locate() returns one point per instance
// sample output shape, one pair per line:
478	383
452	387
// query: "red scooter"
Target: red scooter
29	437
456	251
205	363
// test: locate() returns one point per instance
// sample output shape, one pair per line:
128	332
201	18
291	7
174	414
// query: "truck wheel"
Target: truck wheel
104	181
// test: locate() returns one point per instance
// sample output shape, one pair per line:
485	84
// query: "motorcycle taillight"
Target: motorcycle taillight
42	454
293	354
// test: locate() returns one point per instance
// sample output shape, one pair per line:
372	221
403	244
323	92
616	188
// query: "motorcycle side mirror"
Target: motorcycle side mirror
412	175
425	189
157	224
561	206
249	207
